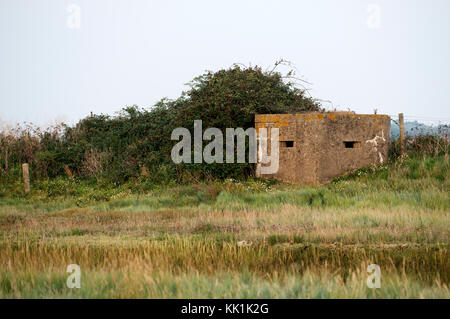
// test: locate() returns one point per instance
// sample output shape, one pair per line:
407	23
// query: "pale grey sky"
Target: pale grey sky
129	52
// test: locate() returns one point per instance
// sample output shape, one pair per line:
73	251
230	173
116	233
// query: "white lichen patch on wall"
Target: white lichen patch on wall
374	142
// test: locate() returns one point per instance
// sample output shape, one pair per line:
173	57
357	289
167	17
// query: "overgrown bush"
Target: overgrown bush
136	140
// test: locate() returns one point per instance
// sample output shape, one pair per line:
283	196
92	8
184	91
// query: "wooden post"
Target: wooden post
401	124
68	171
6	160
26	177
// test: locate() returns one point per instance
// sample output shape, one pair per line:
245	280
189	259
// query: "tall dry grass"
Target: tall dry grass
232	239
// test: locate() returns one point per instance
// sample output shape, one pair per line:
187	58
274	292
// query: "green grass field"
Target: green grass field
231	239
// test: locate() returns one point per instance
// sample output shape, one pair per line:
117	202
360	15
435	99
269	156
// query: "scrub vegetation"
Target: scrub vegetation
137	141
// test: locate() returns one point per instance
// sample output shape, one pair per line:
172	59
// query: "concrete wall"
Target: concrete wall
326	145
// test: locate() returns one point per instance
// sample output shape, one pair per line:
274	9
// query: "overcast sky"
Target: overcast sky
392	55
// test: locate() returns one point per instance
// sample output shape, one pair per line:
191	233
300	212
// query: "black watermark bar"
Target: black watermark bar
221	308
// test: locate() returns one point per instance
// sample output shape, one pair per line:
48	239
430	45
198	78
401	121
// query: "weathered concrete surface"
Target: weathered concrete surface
326	145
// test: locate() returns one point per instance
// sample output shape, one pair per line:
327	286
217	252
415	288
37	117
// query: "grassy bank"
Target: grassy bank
250	239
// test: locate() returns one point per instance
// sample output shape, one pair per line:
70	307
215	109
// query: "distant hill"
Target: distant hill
417	128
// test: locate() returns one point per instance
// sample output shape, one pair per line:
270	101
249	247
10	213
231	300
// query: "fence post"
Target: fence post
6	160
26	177
401	124
68	171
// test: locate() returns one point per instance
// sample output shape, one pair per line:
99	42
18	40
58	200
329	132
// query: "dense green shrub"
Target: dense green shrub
137	141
